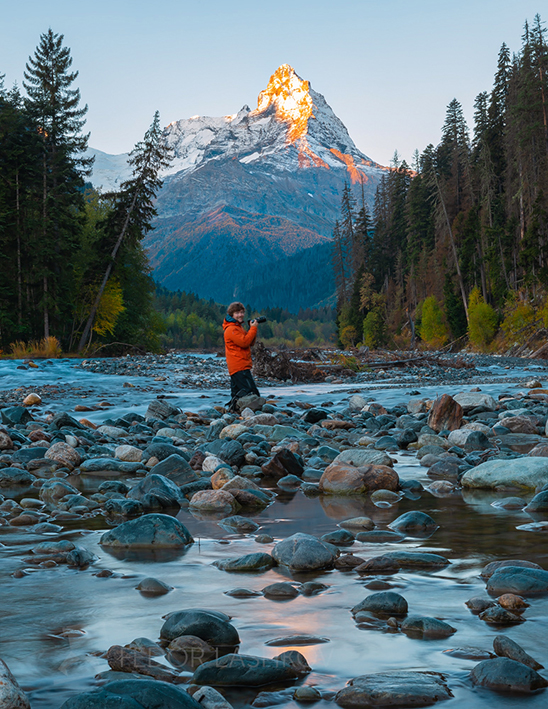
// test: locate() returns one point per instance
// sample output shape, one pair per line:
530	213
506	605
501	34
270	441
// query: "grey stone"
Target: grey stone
384	603
161	409
11	694
133	694
504	675
243	671
361	457
176	468
304	552
211	626
520	580
521	473
156	492
506	647
239	524
427	627
397	689
10	477
413	523
152	531
259	561
417	559
93	465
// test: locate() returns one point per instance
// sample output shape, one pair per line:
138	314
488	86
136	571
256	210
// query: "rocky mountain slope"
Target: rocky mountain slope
247	194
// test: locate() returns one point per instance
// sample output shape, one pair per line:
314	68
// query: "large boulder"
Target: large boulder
346	479
520	473
382	603
243	671
211	626
11	694
445	414
303	552
395	689
133	694
152	531
518	579
504	675
156	492
63	454
214	501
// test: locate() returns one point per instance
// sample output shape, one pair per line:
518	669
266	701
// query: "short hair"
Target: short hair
235	308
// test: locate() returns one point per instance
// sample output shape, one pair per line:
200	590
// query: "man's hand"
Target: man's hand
253	323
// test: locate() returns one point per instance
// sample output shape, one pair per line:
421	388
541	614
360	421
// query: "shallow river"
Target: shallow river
39	609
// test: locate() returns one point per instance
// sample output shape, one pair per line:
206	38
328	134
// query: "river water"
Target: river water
56	622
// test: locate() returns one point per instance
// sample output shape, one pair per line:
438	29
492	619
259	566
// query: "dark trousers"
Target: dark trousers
241	384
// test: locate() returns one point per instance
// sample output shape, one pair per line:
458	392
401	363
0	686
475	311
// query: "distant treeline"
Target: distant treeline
457	243
73	274
192	322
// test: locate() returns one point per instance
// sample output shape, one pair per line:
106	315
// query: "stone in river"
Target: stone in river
417	559
359	457
303	552
176	468
294	659
283	463
469	653
93	465
243	671
239	524
152	531
25	455
520	473
470	400
211	626
378	565
445	414
153	587
281	590
414	523
13	415
123	659
384	603
156	492
506	647
312	588
11	694
505	675
5	441
346	479
161	409
133	694
520	580
539	503
426	627
379	536
496	615
214	501
243	593
297	640
259	561
194	649
123	508
513	602
63	454
53	490
340	537
10	477
210	698
357	524
478	604
489	569
397	688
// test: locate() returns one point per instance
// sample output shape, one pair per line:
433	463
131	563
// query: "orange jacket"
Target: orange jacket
237	344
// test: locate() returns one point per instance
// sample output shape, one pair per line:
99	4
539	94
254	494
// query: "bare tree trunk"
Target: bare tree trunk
19	282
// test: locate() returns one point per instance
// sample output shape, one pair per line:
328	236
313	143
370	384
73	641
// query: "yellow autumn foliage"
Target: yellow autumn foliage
111	306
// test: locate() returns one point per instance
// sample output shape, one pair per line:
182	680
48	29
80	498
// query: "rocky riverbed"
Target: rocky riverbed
337	544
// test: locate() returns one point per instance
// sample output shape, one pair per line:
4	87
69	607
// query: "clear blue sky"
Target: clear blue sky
388	68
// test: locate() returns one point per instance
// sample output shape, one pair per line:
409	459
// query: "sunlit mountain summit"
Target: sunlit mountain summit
249	202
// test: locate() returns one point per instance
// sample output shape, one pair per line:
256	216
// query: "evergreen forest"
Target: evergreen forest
456	244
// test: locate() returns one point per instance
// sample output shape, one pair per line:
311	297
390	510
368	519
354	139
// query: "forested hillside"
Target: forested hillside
457	243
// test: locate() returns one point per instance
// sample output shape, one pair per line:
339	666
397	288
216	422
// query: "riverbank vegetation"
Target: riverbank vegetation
456	245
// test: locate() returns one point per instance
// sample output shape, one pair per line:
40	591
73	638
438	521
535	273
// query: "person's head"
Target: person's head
236	310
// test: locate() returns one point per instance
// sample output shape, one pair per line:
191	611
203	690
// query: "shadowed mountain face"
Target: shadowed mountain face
250	195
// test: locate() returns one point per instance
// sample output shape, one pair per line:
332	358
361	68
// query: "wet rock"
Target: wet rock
312	588
379	536
133	694
93	465
289	482
496	615
259	561
242	593
156	492
5	441
25	455
80	558
63	454
161	409
307	694
297	640
520	580
521	473
153	587
405	437
513	603
469	653
15	477
283	463
362	457
243	671
345	479
423	626
539	503
445	414
357	524
211	626
122	508
161	451
281	590
383	603
128	454
12	415
505	675
303	552
239	524
510	503
520	424
444	470
294	659
340	537
122	659
214	501
506	647
489	569
378	565
220	477
397	688
11	694
417	559
414	523
53	490
146	646
478	605
176	469
233	430
152	531
193	649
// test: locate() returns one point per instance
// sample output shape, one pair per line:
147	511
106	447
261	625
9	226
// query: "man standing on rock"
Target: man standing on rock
238	352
